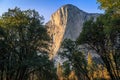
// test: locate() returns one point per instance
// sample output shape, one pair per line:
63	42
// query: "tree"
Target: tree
101	36
60	72
112	27
90	66
106	74
23	46
110	5
90	62
72	76
76	58
66	68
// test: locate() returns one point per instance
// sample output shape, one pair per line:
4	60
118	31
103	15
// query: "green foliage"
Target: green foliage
66	68
92	33
105	41
110	5
103	36
75	57
23	46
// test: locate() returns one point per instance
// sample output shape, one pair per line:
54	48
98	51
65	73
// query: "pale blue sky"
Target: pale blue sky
47	7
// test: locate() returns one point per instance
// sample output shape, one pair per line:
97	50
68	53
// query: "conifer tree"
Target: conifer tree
60	72
72	76
90	66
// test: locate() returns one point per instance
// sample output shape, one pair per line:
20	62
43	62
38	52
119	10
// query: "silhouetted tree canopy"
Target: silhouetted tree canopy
23	46
103	36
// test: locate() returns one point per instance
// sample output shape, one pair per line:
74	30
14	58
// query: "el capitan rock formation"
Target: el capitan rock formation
66	22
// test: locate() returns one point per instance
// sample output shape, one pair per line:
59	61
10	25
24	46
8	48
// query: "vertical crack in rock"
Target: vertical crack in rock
66	22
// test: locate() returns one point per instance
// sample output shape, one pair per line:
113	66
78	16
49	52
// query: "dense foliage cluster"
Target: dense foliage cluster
23	44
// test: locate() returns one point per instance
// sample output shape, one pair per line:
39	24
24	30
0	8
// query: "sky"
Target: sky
47	7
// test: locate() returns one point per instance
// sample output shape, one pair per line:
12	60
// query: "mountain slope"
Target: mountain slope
66	22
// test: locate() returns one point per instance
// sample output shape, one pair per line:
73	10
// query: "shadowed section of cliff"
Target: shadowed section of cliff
66	22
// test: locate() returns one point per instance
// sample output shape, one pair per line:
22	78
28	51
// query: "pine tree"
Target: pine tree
59	72
90	66
106	75
72	76
90	62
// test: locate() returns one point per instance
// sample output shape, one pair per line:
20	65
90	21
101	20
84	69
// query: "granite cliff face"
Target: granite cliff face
66	22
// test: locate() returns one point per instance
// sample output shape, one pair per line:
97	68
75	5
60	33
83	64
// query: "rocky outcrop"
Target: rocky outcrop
66	22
